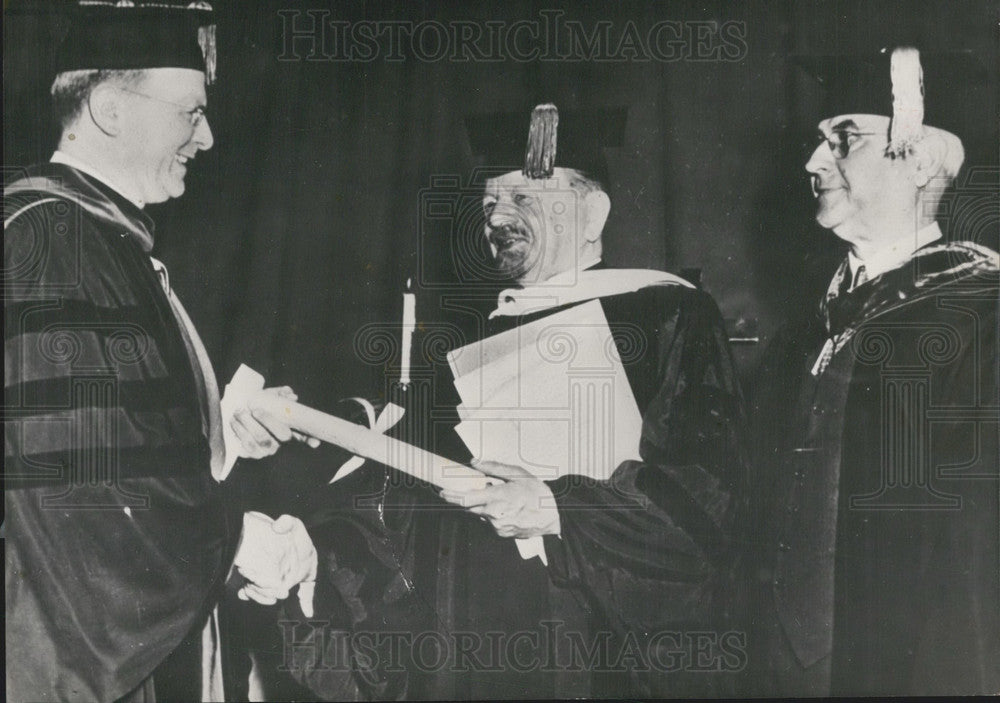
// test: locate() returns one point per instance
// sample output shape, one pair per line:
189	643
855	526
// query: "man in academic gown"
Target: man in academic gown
877	494
635	596
117	539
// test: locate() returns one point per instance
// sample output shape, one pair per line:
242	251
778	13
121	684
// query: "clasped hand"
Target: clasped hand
275	556
521	506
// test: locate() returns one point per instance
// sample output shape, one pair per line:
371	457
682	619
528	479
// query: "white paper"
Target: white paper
246	383
550	396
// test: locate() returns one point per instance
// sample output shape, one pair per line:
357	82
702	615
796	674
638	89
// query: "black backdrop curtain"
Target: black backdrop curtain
304	221
300	227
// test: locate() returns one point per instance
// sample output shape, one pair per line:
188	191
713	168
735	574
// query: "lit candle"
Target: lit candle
409	323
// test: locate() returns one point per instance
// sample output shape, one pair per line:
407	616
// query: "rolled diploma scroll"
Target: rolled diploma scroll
427	466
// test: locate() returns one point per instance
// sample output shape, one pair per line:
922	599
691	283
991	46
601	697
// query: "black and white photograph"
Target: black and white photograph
501	349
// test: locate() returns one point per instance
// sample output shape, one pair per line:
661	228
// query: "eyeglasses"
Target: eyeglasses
195	115
840	141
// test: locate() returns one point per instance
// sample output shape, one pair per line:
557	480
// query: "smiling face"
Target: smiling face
534	227
862	191
157	134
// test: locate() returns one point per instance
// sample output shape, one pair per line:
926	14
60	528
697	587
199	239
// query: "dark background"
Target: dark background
304	221
300	227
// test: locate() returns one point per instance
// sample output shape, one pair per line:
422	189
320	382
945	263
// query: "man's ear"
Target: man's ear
598	205
928	157
104	105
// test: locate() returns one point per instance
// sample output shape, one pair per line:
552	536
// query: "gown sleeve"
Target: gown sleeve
652	545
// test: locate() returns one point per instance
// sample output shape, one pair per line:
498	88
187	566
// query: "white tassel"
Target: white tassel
907	100
206	40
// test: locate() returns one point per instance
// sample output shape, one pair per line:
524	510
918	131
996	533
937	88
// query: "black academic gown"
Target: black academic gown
650	551
642	566
877	512
115	535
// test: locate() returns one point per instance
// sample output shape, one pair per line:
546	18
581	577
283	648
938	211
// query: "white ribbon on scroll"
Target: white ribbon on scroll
387	419
371	444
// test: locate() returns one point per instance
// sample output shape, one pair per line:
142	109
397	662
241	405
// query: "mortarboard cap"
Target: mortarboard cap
551	138
902	83
127	35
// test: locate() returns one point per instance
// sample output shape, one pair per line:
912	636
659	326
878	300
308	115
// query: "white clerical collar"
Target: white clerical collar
895	255
61	157
577	286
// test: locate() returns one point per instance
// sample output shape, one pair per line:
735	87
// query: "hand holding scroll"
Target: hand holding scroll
521	507
260	432
249	429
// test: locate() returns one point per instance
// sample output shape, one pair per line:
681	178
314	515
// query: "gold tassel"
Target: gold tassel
540	156
906	128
